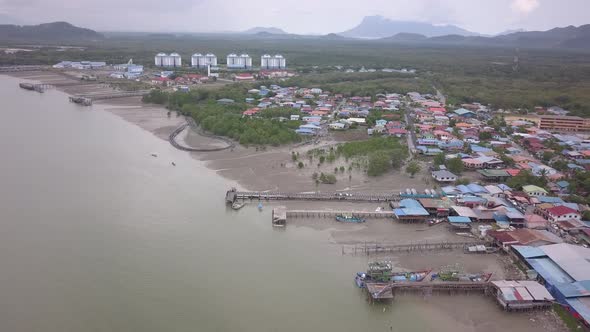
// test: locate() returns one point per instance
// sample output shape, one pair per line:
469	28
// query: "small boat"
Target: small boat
260	206
27	86
155	155
435	221
237	205
359	279
173	164
349	218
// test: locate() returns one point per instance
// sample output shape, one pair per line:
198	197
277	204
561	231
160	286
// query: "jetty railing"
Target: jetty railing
313	196
376	248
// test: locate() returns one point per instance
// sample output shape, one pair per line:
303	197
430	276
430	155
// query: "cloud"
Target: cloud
524	6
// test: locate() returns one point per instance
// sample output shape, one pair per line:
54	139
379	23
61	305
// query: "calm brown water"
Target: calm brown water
97	235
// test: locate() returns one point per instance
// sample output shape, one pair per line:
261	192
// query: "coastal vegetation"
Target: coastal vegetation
465	73
227	120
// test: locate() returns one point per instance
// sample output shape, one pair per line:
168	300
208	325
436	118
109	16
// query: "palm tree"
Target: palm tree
413	168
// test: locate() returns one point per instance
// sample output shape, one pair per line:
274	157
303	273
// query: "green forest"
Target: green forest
227	120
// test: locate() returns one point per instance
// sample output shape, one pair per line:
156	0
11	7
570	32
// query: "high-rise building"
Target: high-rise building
242	61
203	61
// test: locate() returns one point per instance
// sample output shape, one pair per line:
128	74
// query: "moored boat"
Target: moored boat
237	205
27	86
349	218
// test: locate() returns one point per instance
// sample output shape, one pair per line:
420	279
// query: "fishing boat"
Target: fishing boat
435	221
349	218
154	155
260	206
385	275
173	164
464	277
27	86
237	205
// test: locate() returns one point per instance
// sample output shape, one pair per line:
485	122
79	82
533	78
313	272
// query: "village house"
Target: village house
561	212
532	190
444	176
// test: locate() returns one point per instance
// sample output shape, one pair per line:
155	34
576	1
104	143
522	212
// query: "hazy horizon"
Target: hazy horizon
292	16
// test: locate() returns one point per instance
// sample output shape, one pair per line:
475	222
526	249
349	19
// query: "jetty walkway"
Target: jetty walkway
379	248
231	196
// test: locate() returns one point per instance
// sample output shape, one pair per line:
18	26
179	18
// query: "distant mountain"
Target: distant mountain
507	32
57	31
406	37
568	37
333	36
270	30
380	27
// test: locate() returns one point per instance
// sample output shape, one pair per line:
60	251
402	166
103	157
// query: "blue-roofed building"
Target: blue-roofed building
549	199
459	220
464	189
450	191
476	188
464	113
477	148
565	271
410	210
451	145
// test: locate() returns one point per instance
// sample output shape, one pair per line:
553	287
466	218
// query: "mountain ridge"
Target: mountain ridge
54	31
379	27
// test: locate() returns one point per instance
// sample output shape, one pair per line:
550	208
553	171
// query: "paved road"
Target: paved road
411	133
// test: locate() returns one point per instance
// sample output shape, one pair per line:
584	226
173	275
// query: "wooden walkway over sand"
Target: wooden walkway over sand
113	95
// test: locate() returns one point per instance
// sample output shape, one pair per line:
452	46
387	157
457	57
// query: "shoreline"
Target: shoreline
155	120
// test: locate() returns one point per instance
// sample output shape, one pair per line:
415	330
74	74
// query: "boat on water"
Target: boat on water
27	86
435	221
238	205
463	277
362	278
349	218
260	206
382	272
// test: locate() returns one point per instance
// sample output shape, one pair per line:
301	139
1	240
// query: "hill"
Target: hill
269	30
57	31
568	37
380	27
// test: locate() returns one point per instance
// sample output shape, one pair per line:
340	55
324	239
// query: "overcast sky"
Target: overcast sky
297	16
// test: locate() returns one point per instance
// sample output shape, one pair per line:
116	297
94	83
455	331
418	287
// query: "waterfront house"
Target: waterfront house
444	176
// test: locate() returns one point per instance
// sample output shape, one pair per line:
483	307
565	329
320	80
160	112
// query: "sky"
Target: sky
295	16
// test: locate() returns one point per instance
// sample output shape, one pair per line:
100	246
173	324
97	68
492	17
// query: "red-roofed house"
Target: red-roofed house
161	80
437	109
561	212
251	111
512	171
243	77
399	132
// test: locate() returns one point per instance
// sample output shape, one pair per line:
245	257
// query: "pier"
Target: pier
231	196
13	69
379	248
113	95
333	214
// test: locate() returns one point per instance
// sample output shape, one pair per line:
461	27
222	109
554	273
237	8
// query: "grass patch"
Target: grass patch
569	320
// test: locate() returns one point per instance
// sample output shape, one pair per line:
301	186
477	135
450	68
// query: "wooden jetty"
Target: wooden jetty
379	248
113	95
11	69
311	196
36	87
387	291
81	100
333	214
